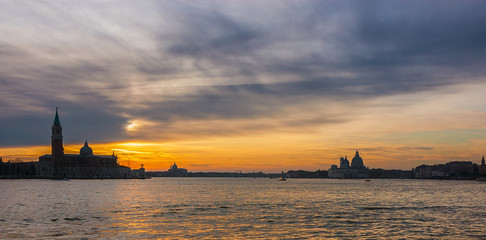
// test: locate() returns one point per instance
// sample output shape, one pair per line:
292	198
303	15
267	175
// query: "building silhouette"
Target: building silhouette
482	168
82	165
458	170
356	170
175	171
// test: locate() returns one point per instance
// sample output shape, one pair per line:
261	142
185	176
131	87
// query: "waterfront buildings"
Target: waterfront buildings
82	165
451	170
482	168
391	173
175	171
306	174
60	165
357	169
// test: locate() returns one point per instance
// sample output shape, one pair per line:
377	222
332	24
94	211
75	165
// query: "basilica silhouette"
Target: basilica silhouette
82	165
356	170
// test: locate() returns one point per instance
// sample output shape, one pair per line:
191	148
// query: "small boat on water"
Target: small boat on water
282	179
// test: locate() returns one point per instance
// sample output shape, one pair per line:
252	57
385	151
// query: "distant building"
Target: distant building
139	173
306	174
82	165
450	170
482	168
382	173
17	169
356	170
175	171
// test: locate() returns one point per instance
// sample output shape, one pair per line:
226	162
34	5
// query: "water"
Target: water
242	208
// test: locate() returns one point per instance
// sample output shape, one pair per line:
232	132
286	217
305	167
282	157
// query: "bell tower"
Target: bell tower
56	143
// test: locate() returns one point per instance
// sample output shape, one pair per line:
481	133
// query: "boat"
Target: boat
282	179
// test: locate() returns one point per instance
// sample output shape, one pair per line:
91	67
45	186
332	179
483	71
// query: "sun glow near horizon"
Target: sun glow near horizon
275	153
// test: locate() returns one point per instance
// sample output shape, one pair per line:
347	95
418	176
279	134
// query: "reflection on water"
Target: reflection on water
241	208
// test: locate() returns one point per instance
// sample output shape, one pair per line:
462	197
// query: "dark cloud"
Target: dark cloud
95	124
425	41
214	34
415	148
391	47
216	45
24	130
234	61
79	123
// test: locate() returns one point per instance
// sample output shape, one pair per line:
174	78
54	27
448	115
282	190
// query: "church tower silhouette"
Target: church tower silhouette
56	142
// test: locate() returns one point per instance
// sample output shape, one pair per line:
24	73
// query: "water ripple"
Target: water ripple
242	209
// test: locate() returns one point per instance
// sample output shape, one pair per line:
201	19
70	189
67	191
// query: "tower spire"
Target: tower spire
56	119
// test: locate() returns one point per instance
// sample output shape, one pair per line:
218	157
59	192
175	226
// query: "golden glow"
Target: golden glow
126	151
138	144
268	153
132	125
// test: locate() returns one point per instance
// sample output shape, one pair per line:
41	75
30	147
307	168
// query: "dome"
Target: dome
344	162
86	150
357	161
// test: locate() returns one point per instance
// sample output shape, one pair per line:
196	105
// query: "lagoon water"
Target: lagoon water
242	208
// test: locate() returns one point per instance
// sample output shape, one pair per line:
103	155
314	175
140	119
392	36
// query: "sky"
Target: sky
229	85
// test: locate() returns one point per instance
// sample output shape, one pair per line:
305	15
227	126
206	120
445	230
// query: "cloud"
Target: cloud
415	148
280	66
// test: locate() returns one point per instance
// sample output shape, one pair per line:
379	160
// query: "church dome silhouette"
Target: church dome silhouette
357	161
86	150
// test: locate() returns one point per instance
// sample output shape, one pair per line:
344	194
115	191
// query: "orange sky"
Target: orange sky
272	152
